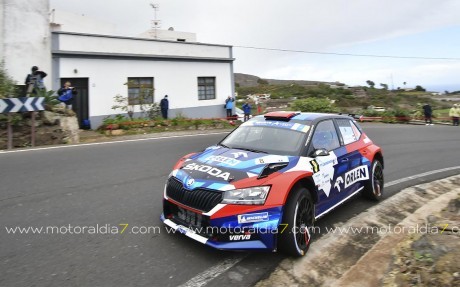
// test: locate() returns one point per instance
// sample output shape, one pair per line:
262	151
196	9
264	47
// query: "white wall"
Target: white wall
98	44
176	79
25	37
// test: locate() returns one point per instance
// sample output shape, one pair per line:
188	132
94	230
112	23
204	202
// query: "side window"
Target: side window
325	136
350	133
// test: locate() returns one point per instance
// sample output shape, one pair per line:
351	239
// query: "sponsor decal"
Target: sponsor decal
240	154
190	182
314	166
338	182
240	237
253	217
208	169
325	175
357	174
223	159
274	124
182	229
271	159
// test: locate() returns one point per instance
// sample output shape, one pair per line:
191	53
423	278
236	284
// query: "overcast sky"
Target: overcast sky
420	28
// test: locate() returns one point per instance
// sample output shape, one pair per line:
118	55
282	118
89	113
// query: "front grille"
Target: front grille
201	199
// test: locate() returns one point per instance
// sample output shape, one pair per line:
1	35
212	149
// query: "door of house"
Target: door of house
81	102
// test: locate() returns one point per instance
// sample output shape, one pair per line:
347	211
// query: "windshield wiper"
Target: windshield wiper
222	145
253	150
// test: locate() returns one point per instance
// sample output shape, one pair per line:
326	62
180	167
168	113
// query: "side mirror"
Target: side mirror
320	152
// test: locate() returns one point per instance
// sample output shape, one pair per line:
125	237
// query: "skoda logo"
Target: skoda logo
190	182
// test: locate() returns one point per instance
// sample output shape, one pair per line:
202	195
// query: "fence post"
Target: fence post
10	132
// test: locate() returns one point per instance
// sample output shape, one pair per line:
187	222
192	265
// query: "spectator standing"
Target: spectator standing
67	94
247	111
428	114
455	114
229	106
34	81
164	105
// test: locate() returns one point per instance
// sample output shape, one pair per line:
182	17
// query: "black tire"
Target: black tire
373	189
294	236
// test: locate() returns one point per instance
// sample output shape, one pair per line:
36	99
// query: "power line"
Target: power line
347	54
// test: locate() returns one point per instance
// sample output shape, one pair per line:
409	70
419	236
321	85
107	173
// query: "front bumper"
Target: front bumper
254	230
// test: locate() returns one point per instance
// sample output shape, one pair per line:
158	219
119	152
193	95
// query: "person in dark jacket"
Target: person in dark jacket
164	105
247	111
34	81
428	114
67	94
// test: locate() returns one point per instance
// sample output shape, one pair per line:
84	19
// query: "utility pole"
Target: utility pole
155	22
392	83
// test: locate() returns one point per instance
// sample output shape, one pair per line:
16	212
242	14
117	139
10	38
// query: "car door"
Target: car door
357	170
327	168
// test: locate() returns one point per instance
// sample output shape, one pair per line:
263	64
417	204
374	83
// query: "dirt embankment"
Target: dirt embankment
410	239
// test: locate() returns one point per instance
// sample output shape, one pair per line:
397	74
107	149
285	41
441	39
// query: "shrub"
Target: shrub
8	88
317	105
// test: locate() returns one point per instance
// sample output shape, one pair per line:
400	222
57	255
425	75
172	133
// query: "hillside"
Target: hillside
345	99
246	80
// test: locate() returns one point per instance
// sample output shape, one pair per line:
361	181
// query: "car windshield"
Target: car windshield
280	141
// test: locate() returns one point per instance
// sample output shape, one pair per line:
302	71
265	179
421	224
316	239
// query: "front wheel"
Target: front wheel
373	189
298	217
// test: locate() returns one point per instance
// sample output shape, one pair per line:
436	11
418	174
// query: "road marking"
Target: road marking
205	277
106	143
412	177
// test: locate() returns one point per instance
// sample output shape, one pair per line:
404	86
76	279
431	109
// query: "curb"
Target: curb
362	258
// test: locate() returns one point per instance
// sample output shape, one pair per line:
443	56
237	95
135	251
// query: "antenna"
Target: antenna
155	22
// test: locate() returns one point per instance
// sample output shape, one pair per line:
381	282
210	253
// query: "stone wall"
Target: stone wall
51	128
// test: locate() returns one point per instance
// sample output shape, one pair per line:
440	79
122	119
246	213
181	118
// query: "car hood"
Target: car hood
217	166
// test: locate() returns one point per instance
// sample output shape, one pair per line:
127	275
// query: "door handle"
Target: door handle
344	159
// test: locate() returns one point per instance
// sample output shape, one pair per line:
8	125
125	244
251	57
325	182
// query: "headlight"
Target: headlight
251	195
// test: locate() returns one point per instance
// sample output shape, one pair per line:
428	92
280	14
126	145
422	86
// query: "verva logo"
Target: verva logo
208	169
240	237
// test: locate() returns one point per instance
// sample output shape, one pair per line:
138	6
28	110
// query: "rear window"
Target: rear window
349	131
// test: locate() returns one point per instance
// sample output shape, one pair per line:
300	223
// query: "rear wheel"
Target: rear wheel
298	217
373	188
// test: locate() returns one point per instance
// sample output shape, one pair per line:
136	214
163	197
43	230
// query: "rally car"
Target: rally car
264	185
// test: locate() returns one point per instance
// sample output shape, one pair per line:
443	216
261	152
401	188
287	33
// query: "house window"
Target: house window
140	91
206	88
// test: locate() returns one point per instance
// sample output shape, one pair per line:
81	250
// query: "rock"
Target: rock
454	205
49	118
118	132
432	219
37	123
71	129
456	275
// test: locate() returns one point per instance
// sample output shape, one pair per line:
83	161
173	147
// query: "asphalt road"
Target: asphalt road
122	183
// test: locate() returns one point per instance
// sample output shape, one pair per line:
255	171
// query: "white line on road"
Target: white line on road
205	277
106	143
420	175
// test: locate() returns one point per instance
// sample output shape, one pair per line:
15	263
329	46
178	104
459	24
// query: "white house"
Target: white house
197	77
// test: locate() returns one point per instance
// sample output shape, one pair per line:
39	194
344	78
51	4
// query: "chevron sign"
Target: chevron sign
15	105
